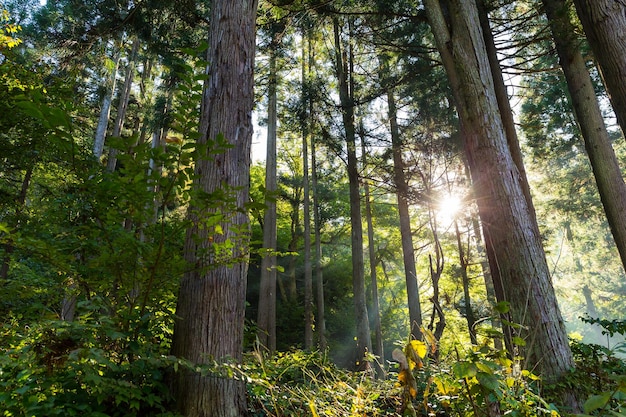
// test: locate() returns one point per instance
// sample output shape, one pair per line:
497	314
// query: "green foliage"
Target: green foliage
95	366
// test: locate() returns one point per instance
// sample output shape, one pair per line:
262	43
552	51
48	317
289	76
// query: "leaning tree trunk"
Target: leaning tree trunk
606	169
211	304
342	67
604	22
506	216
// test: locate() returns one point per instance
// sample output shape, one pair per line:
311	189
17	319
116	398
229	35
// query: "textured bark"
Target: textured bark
211	303
463	263
406	234
604	164
342	67
266	320
604	22
505	214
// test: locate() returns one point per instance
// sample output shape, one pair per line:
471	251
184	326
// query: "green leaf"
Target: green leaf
502	307
596	401
464	369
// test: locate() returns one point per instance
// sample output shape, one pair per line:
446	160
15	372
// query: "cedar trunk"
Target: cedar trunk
266	320
604	164
604	22
363	338
506	216
211	303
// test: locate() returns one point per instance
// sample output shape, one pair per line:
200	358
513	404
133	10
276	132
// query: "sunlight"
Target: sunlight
448	207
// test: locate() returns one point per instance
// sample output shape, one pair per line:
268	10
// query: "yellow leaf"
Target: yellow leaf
419	347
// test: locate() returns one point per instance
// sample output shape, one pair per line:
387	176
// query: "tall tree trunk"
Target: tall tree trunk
371	249
406	234
308	268
320	322
105	108
211	302
266	320
604	22
506	216
123	104
342	68
606	170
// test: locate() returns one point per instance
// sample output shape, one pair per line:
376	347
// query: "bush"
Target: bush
93	368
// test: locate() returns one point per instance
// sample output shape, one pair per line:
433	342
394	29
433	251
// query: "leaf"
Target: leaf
502	307
31	109
464	369
419	347
596	401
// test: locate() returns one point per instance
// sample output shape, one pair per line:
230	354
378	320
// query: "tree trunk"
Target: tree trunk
406	234
308	268
266	320
375	304
463	263
123	104
211	303
604	163
320	322
342	67
506	216
604	22
105	109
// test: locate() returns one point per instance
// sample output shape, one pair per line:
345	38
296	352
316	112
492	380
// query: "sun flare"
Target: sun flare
448	207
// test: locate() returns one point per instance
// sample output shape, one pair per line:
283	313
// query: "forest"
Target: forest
312	208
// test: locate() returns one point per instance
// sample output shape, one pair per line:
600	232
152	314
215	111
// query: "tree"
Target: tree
402	193
606	170
211	301
266	319
343	66
504	211
604	22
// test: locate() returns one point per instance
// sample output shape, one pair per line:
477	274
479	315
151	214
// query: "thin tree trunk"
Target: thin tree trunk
123	104
211	304
320	322
375	304
463	263
406	234
604	164
105	109
342	67
604	22
266	320
506	216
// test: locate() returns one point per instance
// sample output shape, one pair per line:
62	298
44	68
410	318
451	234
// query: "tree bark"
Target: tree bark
375	304
604	22
342	67
105	109
604	164
406	234
505	214
211	302
266	319
123	104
